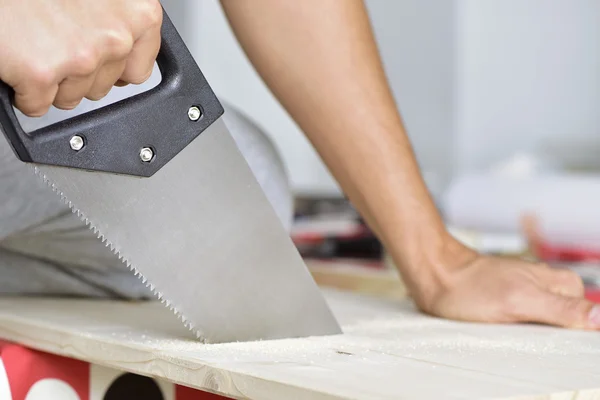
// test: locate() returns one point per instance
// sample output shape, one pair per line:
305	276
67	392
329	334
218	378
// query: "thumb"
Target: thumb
564	311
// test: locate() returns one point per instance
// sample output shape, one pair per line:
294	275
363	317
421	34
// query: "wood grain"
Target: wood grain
387	351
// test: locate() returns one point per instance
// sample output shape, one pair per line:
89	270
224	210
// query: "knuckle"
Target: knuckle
573	277
153	14
40	75
119	42
85	60
570	278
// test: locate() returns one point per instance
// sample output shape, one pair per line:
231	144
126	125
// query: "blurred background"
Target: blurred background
501	99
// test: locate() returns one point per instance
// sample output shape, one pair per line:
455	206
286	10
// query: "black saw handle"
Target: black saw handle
115	135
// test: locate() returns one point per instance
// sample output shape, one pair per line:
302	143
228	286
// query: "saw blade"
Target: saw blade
203	237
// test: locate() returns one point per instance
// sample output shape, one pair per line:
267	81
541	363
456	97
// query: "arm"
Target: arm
320	60
322	64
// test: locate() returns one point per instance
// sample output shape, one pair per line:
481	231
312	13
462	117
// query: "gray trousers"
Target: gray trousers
45	250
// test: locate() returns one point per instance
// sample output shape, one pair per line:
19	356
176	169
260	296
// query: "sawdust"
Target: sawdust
429	337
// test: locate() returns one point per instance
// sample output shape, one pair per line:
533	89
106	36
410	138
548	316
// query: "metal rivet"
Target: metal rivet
194	113
146	154
76	142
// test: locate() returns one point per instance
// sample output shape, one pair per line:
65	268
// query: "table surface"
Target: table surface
387	351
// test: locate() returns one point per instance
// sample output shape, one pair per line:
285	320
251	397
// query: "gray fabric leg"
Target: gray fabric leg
61	256
47	250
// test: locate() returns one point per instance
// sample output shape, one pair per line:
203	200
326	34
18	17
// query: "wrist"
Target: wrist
427	263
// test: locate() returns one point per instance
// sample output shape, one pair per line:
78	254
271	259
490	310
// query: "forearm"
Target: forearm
320	60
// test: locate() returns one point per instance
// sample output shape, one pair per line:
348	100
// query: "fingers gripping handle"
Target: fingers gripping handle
135	136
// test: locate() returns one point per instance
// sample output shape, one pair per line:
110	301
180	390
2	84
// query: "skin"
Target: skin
320	60
58	52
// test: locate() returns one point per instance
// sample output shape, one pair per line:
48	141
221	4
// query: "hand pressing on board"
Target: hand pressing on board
60	52
503	290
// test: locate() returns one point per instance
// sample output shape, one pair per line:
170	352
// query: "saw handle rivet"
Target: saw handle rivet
77	142
194	113
146	154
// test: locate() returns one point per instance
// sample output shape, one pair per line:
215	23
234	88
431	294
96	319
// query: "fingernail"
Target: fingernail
594	316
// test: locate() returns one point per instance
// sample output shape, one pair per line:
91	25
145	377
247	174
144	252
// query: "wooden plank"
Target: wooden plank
387	351
359	278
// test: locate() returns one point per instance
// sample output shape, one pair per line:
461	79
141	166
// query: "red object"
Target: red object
318	237
186	393
336	262
548	252
23	369
593	295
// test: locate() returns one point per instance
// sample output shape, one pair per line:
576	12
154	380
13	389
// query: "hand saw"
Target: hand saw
161	181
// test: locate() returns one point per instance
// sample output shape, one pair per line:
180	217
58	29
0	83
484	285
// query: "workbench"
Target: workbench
388	351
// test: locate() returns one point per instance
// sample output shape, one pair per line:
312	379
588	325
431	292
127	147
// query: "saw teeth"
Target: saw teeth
117	253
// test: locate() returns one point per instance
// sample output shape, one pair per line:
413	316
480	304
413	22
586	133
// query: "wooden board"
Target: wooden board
358	278
388	351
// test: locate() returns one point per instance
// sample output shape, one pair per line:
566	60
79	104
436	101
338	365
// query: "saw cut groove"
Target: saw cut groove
159	296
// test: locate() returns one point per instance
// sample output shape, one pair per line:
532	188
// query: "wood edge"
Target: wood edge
357	278
159	365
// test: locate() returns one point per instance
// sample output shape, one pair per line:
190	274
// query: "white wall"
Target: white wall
528	76
415	38
475	80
